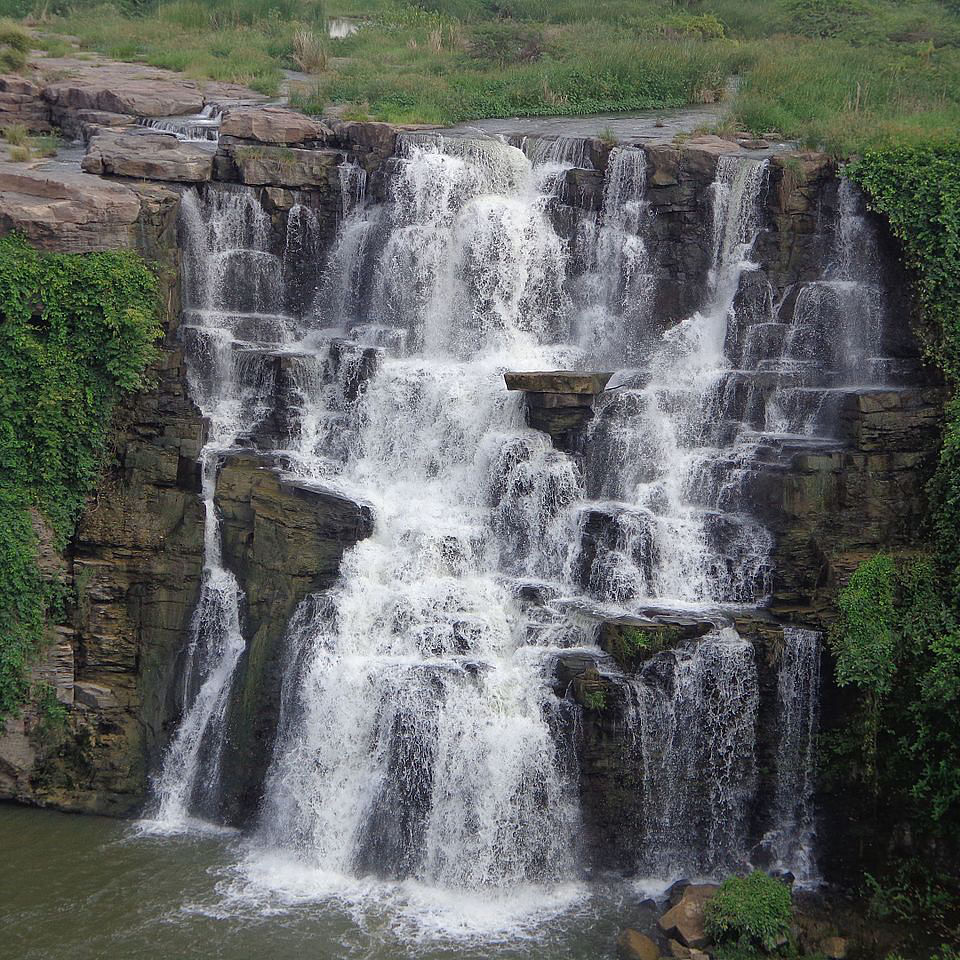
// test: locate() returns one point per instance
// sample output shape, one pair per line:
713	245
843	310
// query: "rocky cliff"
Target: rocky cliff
136	562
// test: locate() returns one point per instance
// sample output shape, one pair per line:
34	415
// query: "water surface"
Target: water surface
85	888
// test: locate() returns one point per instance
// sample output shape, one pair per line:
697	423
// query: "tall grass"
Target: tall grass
844	74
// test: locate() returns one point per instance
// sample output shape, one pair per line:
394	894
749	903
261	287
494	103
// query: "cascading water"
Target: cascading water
421	735
420	745
791	838
696	709
233	282
668	540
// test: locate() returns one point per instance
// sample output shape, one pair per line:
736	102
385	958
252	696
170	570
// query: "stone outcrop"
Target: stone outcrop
283	540
69	212
273	166
272	125
134	566
147	155
633	945
21	102
558	402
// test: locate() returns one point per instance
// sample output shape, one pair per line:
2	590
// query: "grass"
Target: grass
839	74
22	147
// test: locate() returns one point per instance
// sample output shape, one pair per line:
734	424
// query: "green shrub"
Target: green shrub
506	42
15	134
752	912
14	36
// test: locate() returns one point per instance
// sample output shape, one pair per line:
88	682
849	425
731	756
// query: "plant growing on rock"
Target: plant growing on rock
752	912
76	334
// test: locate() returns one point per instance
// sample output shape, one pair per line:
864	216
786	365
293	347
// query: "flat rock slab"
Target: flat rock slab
66	211
557	381
272	125
132	88
147	156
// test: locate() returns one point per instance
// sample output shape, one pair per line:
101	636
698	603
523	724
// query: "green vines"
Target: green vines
918	190
897	641
76	332
897	638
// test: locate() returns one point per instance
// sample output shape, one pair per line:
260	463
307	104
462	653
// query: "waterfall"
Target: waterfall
834	340
791	838
422	735
196	128
418	744
668	539
696	709
615	291
232	284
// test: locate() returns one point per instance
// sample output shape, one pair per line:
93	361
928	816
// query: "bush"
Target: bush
309	51
506	43
751	912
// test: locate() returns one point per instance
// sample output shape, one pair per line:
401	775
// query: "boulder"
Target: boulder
633	945
66	211
147	156
700	155
272	125
116	88
372	136
21	102
678	950
834	948
261	166
685	922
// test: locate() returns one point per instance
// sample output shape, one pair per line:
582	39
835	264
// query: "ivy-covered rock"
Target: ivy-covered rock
77	332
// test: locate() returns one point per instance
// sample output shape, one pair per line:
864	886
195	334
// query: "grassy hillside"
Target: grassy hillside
840	74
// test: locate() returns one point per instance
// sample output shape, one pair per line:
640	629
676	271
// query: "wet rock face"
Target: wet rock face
283	541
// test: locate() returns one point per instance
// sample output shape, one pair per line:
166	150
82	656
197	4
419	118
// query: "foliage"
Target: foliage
918	191
14	45
505	41
76	334
309	50
751	912
897	641
911	893
595	700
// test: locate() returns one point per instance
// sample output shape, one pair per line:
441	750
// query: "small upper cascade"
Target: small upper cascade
614	293
202	127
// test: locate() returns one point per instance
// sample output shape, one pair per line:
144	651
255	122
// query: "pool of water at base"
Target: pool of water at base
90	888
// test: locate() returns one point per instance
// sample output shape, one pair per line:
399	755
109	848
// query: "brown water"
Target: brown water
86	888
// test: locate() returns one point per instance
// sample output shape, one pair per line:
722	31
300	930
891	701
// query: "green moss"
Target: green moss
77	333
752	912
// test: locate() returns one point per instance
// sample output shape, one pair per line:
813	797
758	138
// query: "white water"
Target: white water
420	738
791	840
668	541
